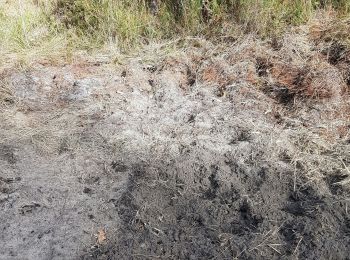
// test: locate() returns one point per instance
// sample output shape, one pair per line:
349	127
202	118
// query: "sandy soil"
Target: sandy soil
207	154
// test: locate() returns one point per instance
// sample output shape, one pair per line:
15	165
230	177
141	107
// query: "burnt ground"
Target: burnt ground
174	159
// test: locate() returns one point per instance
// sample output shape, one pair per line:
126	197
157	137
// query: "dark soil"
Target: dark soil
229	211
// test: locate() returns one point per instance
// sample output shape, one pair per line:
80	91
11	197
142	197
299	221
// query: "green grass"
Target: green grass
49	28
25	34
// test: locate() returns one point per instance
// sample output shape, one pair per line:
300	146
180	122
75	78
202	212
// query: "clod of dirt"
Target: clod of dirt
29	208
10	180
119	166
151	68
347	78
262	67
7	153
214	185
336	53
333	183
249	220
281	93
87	190
303	202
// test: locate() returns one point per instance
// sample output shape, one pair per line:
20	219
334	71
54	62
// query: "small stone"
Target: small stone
87	190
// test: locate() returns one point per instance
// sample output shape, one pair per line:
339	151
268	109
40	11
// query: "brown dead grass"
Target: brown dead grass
215	74
316	81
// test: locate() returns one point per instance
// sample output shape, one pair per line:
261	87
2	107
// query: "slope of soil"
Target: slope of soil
234	153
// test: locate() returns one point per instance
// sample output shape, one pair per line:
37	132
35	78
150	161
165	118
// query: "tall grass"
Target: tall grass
25	34
38	27
131	22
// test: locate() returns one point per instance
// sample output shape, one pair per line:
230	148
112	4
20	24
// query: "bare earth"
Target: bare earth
233	152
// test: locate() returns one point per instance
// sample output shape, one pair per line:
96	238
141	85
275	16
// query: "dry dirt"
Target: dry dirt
233	152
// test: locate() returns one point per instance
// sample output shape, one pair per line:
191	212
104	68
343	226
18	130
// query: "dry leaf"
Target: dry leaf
101	236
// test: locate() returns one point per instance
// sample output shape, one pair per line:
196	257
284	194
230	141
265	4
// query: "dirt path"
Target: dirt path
151	161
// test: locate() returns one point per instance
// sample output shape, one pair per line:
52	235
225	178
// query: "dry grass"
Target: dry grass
55	29
294	87
299	80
